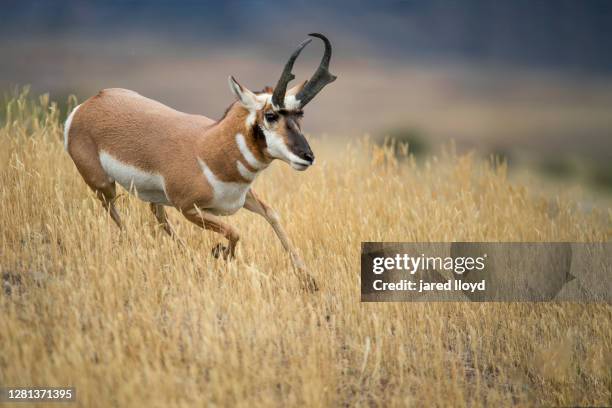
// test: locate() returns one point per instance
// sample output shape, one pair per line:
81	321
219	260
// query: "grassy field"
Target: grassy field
133	319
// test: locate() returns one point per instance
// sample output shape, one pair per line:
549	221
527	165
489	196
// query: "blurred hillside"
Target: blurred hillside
560	34
533	76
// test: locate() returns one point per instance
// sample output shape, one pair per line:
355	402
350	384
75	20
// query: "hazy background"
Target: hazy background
528	79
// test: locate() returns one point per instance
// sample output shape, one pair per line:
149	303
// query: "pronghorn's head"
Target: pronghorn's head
275	115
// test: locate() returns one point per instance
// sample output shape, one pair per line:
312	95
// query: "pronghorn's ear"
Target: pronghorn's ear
246	97
295	89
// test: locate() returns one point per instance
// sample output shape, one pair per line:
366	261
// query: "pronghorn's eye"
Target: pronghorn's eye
299	113
271	116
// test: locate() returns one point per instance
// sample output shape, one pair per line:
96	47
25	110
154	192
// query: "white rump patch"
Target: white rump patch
149	187
228	197
247	153
67	126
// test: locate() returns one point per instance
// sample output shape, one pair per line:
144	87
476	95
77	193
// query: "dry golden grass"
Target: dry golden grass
132	319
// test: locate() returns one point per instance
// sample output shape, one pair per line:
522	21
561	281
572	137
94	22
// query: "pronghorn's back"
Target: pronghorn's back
120	135
122	122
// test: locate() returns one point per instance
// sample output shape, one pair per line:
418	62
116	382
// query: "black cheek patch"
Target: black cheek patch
260	138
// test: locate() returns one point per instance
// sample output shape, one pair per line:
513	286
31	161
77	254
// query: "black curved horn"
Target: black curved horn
320	78
278	97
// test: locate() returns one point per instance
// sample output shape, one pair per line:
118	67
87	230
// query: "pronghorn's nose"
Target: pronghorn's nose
308	156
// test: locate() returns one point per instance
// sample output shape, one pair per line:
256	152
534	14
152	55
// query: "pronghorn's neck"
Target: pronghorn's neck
237	143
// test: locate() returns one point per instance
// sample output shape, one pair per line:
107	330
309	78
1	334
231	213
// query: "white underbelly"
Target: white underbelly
147	186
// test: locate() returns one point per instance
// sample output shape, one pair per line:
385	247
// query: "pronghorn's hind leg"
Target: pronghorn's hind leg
255	204
159	212
84	153
214	223
108	195
161	217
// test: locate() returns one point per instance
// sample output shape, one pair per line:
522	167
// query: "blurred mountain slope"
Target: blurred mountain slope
564	34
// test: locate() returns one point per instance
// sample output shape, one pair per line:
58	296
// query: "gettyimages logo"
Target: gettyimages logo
412	264
479	271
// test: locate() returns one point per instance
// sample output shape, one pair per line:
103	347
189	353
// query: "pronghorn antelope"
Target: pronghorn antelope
202	167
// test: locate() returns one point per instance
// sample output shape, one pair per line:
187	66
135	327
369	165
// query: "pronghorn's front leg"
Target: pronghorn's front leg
214	223
256	205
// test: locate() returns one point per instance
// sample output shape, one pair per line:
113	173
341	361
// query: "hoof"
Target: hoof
218	250
223	251
310	284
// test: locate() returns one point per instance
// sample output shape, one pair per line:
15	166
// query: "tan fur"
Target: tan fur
156	139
